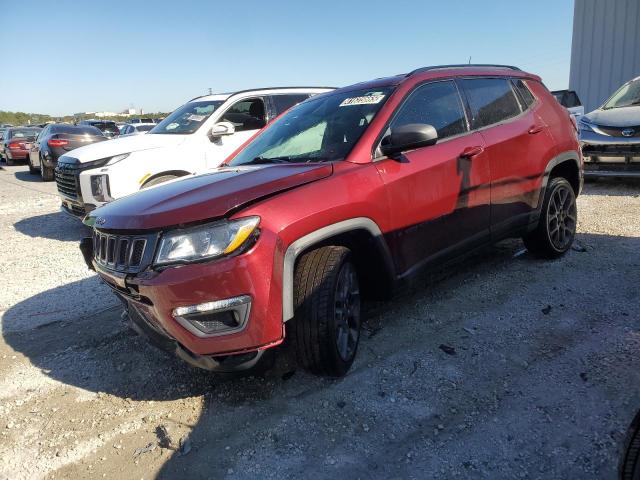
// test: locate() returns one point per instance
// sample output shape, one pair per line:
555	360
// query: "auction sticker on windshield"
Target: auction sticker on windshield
369	99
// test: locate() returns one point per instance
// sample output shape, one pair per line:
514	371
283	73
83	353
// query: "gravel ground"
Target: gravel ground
541	380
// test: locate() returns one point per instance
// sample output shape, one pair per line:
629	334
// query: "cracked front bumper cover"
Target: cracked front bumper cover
157	337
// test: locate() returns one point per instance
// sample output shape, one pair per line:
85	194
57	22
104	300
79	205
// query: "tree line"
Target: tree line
22	118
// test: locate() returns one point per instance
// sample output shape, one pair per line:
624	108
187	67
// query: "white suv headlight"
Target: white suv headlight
205	241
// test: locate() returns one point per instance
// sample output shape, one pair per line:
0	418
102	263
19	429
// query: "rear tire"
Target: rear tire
325	330
556	229
32	170
46	173
8	160
159	180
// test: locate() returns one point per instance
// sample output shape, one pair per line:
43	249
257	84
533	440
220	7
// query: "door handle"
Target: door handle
471	152
535	129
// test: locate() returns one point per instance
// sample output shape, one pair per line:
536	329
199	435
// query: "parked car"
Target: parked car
56	140
344	197
142	120
610	135
2	133
107	127
136	128
569	99
199	135
16	143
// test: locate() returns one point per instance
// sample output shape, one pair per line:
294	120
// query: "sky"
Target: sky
65	57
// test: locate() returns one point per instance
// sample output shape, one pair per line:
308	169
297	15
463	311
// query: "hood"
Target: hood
126	144
616	117
203	197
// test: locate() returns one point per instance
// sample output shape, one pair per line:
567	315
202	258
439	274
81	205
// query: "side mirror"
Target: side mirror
408	137
221	129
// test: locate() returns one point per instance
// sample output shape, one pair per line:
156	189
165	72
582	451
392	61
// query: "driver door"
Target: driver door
248	116
439	196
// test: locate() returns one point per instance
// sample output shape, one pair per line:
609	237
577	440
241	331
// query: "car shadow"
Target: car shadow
236	409
25	176
55	226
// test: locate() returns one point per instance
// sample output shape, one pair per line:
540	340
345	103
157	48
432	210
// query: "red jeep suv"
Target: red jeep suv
342	198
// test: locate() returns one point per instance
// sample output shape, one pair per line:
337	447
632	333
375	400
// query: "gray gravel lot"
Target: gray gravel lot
543	382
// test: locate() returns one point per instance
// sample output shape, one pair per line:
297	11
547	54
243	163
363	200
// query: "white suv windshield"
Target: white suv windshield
626	96
188	118
324	128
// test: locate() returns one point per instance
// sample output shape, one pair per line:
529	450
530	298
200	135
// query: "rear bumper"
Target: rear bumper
17	154
156	298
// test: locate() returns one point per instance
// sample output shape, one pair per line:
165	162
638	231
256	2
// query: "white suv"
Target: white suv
197	136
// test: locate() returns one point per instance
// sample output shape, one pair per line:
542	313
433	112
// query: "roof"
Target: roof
440	71
263	91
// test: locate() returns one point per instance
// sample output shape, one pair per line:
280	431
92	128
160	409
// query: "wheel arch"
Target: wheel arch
176	173
366	242
566	165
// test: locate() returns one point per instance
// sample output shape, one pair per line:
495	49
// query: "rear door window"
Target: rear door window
491	100
285	102
437	104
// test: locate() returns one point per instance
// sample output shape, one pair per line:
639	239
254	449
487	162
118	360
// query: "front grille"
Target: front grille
123	253
631	149
67	181
617	131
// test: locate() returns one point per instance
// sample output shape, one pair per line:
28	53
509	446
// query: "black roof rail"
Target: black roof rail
461	65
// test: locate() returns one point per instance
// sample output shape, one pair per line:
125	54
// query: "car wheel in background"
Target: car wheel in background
32	170
46	172
325	330
159	180
556	229
8	160
630	466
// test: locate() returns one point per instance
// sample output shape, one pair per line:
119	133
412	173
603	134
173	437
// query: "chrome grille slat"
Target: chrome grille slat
125	253
67	182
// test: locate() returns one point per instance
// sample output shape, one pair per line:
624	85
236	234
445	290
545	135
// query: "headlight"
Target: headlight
583	124
205	241
117	158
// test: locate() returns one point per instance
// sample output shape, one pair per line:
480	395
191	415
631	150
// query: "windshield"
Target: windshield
106	127
626	96
23	133
188	118
144	128
321	129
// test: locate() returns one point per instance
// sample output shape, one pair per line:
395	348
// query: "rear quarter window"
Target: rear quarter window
491	100
525	95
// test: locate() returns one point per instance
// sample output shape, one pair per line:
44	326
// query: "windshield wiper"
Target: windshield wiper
632	104
260	160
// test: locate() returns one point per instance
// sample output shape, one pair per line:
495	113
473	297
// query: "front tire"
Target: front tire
556	229
325	330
